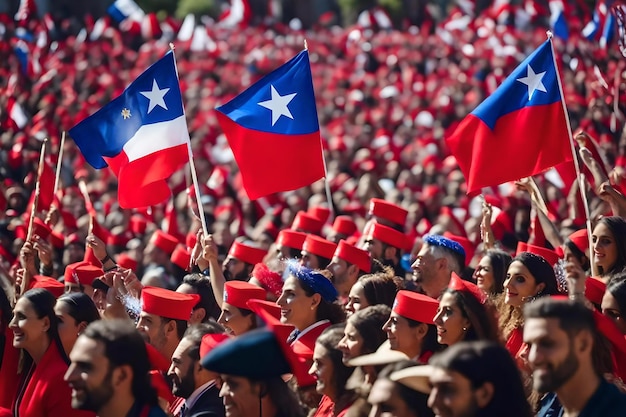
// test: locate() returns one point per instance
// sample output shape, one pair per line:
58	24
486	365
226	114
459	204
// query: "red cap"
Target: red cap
307	223
467	244
291	238
90	257
126	261
247	254
40	228
319	246
322	213
48	283
594	290
118	239
549	255
167	303
181	257
164	241
190	240
270	307
459	284
270	280
414	306
354	255
580	239
210	341
138	224
344	225
388	235
388	211
237	293
82	273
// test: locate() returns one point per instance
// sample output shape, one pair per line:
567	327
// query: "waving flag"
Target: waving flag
558	22
142	135
273	131
518	131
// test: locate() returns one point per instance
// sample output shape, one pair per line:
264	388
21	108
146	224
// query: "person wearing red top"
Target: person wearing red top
10	355
42	391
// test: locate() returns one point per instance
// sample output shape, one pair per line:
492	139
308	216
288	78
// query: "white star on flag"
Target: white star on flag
533	82
278	105
155	96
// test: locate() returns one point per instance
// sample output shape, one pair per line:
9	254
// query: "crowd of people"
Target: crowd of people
402	296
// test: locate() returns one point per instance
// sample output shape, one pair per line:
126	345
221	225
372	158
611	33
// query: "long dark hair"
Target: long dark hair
381	287
326	310
482	316
369	322
541	270
329	339
500	261
429	344
617	226
80	307
617	288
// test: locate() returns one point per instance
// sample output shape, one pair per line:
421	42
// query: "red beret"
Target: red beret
167	303
269	307
82	273
549	255
138	224
467	244
237	293
388	235
181	257
319	246
210	341
459	284
322	213
414	306
594	290
126	261
47	283
164	241
388	211
90	257
307	223
40	228
344	225
291	238
247	254
580	239
354	255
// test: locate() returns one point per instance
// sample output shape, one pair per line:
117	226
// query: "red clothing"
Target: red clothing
326	408
45	393
9	379
515	342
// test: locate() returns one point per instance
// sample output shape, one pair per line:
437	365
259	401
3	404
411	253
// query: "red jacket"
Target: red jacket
9	379
46	394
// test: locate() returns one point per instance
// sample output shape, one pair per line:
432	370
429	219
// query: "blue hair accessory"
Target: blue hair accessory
438	240
312	279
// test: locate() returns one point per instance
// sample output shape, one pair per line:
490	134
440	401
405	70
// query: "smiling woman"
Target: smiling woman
609	246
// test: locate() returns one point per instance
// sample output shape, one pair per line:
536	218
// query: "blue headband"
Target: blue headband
444	242
312	279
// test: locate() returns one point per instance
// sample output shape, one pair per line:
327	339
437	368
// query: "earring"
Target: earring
464	329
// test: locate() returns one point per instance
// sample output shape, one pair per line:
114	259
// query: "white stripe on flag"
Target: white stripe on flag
157	137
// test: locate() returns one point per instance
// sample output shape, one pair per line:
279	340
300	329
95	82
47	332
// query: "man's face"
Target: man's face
452	394
73	253
89	375
182	369
241	397
152	329
339	268
425	270
386	402
374	247
234	269
551	354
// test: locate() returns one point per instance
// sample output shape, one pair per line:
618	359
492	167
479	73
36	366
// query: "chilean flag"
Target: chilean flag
518	131
273	131
142	135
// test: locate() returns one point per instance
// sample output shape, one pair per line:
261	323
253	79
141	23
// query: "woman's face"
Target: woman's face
520	285
401	335
323	370
483	275
356	299
68	328
611	309
450	322
296	308
28	329
604	247
234	322
351	344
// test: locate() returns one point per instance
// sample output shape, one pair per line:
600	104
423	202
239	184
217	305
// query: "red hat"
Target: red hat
319	246
459	284
594	290
549	255
291	238
322	213
344	225
307	223
47	283
209	341
160	385
270	280
190	240
40	228
414	306
167	303
354	255
580	239
247	254
181	257
269	307
57	240
388	211
118	239
467	244
82	273
237	293
90	257
126	261
388	235
138	224
164	241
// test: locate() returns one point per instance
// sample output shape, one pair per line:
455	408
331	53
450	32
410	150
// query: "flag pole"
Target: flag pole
33	209
192	168
329	196
579	176
59	164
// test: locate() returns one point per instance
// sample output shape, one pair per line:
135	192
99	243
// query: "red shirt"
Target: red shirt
9	379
